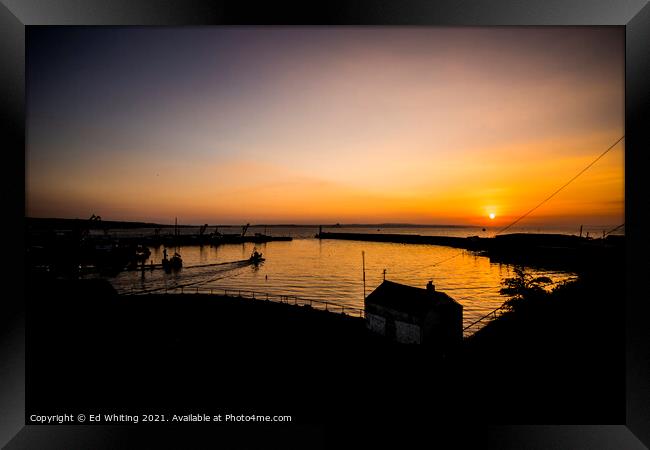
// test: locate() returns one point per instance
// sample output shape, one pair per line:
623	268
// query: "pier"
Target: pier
449	241
554	251
198	239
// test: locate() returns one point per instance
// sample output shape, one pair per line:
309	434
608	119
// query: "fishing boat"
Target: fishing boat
175	263
256	257
142	253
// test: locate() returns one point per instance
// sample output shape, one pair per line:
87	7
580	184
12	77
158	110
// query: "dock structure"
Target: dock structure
197	239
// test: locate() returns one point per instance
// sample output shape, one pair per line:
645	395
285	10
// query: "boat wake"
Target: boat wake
157	281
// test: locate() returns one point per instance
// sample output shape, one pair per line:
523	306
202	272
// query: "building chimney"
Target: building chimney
430	286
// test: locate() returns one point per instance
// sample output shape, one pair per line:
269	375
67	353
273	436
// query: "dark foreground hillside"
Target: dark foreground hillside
89	348
561	357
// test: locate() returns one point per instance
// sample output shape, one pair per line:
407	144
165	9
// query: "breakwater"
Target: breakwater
557	251
449	241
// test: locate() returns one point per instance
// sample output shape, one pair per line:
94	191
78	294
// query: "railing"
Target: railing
497	312
322	305
312	303
297	301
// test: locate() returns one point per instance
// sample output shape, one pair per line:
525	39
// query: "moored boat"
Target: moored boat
256	257
175	263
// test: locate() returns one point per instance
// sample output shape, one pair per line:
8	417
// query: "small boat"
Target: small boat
142	253
256	257
175	263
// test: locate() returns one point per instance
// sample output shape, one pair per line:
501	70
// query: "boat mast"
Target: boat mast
363	262
176	233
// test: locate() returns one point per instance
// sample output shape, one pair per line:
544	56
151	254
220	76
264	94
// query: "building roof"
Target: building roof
409	299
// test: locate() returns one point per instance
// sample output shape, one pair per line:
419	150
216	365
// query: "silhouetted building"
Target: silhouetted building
408	314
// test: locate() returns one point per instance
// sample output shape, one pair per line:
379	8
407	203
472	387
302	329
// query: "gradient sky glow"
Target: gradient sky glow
324	125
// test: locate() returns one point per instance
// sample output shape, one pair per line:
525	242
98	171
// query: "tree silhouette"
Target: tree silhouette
523	289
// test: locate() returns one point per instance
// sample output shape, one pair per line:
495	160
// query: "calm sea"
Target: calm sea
331	270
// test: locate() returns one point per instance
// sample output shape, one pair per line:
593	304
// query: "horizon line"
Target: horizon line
315	225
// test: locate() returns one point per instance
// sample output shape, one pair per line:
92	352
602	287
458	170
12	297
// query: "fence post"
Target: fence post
181	289
253	295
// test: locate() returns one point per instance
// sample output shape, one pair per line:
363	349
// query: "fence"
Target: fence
500	311
329	306
265	296
299	301
486	318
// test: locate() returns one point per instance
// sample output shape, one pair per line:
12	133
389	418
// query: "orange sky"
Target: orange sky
369	125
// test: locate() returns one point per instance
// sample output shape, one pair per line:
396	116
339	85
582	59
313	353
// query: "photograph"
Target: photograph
291	228
218	212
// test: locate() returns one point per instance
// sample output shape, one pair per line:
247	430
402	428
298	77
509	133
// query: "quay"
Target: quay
199	239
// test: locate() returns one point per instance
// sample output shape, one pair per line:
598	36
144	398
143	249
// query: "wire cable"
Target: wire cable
563	186
614	229
401	272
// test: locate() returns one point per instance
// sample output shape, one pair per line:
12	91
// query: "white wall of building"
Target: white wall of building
376	323
407	333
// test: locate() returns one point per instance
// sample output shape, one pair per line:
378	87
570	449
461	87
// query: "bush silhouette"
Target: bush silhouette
524	290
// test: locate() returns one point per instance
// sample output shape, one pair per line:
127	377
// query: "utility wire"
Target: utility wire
531	210
614	229
564	185
427	266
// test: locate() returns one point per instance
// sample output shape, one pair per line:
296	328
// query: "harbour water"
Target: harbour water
331	270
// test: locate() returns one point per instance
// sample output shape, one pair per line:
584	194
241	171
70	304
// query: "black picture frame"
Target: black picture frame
16	15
